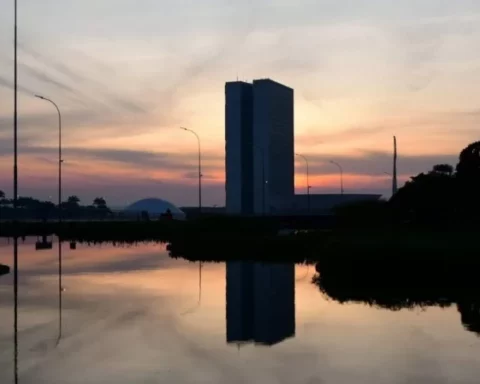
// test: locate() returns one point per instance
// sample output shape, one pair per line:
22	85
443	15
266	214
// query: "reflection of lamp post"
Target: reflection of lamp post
60	161
200	266
60	290
308	182
199	168
341	174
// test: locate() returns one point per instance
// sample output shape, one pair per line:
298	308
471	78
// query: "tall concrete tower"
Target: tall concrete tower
259	145
239	147
273	154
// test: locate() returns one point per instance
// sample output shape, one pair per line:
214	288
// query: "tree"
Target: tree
445	169
468	167
73	201
427	197
468	175
2	195
99	203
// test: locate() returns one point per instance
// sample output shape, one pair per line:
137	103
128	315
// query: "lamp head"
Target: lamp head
40	97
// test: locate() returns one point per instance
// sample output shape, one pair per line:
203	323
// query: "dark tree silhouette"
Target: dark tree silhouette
427	197
3	200
468	175
73	201
445	169
468	167
99	202
443	193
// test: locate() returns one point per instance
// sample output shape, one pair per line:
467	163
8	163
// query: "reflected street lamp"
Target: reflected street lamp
199	168
60	161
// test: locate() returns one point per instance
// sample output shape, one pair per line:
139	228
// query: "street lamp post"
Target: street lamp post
199	168
15	190
341	174
308	177
15	110
60	161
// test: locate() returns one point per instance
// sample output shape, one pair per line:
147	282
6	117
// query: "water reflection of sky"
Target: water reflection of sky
127	319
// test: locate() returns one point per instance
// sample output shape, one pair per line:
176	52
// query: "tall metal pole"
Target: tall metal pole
15	193
60	161
341	174
308	177
199	168
15	113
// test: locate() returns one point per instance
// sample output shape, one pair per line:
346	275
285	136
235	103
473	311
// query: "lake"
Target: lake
135	315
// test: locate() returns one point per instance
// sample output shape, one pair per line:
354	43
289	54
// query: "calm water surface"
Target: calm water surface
134	315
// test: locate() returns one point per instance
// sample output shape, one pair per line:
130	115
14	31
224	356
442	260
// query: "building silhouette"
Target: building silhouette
260	303
259	135
239	147
260	158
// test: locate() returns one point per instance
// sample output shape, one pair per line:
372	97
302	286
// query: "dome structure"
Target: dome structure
155	207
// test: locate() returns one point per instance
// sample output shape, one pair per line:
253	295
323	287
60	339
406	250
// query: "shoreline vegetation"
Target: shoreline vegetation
359	229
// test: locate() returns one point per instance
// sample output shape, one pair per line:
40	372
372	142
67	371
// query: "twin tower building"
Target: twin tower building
259	145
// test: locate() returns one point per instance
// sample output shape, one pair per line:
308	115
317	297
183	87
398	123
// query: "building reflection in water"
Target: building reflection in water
260	303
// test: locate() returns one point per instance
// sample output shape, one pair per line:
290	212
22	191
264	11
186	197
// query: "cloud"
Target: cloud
119	191
43	77
9	85
136	158
78	91
350	134
375	163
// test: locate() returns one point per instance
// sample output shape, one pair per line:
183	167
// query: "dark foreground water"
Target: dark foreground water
133	315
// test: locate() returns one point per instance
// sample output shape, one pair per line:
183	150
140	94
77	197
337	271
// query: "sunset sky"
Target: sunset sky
126	74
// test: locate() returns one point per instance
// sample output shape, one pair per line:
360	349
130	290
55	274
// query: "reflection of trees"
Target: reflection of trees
470	314
384	283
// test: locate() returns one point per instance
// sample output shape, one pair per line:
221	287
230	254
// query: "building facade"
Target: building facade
239	148
259	134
